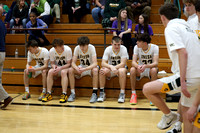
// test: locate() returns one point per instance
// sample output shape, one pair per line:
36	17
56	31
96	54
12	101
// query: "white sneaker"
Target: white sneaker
176	128
167	121
121	98
102	97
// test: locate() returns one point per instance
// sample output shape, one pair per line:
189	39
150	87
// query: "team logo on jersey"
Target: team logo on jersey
171	45
198	33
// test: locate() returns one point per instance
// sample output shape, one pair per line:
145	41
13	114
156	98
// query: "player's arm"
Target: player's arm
45	66
53	65
134	61
122	64
66	65
183	56
105	64
94	63
74	59
28	65
154	63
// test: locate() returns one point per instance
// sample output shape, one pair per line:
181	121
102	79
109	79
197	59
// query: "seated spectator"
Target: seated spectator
9	14
77	9
98	10
55	7
64	7
137	7
142	27
124	26
43	10
111	11
20	14
5	9
37	35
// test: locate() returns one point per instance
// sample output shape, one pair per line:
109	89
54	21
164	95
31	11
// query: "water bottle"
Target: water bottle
30	73
16	53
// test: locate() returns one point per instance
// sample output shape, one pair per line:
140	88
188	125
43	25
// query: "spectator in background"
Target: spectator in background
43	10
20	14
123	26
3	94
5	9
98	10
64	7
37	35
77	9
111	11
9	14
190	11
137	7
142	27
55	7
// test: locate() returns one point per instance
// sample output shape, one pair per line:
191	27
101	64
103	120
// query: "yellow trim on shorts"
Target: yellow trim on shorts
165	88
197	120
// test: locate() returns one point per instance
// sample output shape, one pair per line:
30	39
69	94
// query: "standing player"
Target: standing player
148	55
88	66
192	21
60	57
183	49
41	56
113	64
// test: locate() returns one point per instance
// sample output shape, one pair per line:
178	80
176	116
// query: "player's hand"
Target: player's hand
143	67
114	70
139	68
184	90
58	69
191	113
82	69
103	71
31	69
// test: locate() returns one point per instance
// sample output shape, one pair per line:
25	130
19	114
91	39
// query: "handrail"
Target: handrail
26	29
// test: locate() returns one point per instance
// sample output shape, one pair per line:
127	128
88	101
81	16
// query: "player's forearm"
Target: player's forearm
41	68
134	64
155	64
104	64
65	66
182	53
74	65
93	65
121	65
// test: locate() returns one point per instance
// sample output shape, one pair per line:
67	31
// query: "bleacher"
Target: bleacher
13	81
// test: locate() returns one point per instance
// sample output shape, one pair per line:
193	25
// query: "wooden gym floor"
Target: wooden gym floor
33	116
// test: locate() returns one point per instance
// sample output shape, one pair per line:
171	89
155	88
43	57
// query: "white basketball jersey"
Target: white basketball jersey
115	58
179	35
60	58
40	57
85	58
146	57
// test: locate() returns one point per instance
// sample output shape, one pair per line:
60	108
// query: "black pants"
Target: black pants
46	42
77	15
127	42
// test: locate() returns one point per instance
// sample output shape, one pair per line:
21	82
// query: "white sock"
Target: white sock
178	124
134	92
95	88
168	114
73	91
65	93
27	89
44	90
122	91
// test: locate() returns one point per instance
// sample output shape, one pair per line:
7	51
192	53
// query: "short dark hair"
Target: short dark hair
144	37
83	40
116	39
197	6
57	42
32	43
170	11
189	1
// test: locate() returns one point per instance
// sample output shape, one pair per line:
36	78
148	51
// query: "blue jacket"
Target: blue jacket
2	36
40	24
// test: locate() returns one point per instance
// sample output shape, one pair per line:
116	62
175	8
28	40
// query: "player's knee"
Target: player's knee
133	71
153	71
95	71
146	89
44	73
64	72
50	73
122	71
71	70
